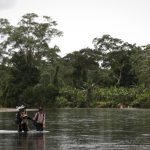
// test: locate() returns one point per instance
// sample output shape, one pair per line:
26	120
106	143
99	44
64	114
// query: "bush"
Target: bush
142	99
62	102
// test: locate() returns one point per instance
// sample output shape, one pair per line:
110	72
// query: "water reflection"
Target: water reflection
40	142
83	129
27	141
101	129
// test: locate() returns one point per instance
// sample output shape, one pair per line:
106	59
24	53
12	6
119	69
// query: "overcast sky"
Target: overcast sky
83	20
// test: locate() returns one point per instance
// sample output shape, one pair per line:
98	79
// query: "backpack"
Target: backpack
35	121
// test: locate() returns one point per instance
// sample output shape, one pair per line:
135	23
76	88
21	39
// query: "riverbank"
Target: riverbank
14	110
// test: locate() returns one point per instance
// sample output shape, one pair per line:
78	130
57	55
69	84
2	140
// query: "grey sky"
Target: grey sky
6	4
83	20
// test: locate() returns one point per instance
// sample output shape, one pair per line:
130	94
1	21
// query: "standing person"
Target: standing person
39	120
24	123
19	117
22	119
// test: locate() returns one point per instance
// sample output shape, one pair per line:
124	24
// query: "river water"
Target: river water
82	129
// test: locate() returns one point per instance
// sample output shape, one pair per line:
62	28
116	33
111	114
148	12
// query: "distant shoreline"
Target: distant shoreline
14	110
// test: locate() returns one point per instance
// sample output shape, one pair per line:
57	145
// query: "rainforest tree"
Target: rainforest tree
27	48
116	56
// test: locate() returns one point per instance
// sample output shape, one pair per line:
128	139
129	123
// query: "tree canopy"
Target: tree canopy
33	73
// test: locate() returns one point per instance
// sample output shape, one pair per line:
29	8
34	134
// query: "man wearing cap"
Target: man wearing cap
39	120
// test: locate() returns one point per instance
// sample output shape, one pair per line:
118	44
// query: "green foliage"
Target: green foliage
62	102
117	95
26	47
104	97
113	73
116	57
141	63
142	98
45	95
72	97
82	62
103	104
112	97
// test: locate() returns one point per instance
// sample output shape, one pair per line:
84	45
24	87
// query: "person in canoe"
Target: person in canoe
39	119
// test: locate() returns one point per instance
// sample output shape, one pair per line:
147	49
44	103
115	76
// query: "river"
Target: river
82	129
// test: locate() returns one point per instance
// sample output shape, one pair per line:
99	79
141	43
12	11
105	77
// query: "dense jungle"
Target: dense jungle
112	74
